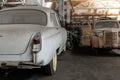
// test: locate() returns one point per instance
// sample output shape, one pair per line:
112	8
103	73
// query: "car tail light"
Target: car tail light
36	43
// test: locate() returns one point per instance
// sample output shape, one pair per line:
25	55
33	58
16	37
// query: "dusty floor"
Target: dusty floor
80	64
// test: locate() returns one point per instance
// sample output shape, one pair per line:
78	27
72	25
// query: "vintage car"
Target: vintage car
31	37
106	35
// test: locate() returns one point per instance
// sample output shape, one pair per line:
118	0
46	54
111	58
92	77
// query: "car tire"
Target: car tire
69	45
50	69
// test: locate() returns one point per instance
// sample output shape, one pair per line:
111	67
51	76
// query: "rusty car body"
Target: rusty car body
106	35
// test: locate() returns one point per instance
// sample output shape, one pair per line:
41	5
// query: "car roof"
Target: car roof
47	10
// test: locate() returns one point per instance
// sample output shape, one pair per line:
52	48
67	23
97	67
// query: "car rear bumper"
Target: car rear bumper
97	42
21	65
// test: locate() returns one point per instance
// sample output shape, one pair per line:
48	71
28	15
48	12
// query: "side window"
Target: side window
53	19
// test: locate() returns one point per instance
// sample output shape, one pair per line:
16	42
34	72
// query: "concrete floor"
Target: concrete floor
80	64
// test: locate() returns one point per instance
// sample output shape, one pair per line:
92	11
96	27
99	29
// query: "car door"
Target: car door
62	31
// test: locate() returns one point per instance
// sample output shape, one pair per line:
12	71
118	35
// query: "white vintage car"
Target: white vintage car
31	37
106	35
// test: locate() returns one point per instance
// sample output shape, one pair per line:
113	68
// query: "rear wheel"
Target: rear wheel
50	69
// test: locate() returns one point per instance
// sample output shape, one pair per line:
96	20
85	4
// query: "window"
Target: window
107	24
23	17
53	19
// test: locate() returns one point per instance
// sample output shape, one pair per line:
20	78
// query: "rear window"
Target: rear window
23	17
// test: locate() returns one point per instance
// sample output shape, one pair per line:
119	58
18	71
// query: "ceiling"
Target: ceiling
96	3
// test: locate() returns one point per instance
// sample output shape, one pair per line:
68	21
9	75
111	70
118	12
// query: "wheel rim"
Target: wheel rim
55	62
69	45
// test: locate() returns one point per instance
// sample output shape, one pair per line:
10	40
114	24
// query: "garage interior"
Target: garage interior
80	61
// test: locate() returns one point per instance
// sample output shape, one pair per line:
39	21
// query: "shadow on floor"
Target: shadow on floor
23	74
87	51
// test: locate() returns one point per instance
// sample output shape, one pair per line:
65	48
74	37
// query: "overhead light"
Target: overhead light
48	4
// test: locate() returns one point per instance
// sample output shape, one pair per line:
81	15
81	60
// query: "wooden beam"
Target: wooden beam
77	15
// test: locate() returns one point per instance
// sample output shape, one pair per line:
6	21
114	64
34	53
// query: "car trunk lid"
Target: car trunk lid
14	39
